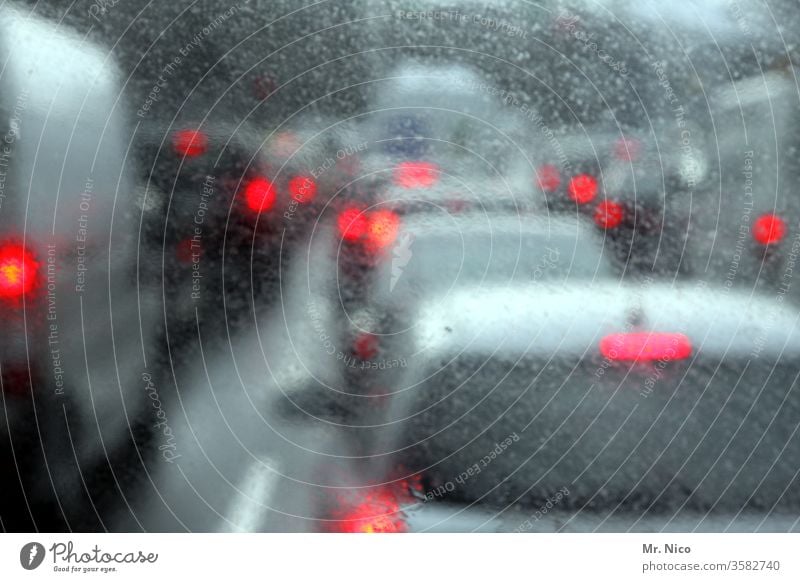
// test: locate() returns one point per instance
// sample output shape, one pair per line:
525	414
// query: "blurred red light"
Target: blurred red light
644	346
383	227
18	271
582	188
609	214
302	189
378	513
190	143
769	229
548	178
365	346
416	174
259	195
352	224
379	229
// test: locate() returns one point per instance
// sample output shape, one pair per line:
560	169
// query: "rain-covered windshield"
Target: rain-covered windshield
268	266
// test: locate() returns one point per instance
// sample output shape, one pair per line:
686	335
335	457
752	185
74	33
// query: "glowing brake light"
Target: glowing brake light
382	228
769	229
416	174
609	214
376	229
378	513
302	189
190	143
365	346
259	195
352	224
582	188
548	178
18	271
644	347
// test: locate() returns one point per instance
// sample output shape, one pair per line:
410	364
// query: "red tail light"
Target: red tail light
302	189
548	178
609	214
416	174
582	188
382	228
352	224
259	195
18	271
769	229
365	346
190	143
644	346
378	513
376	229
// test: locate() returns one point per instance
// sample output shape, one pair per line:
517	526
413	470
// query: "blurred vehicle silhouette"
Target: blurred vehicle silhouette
499	326
78	335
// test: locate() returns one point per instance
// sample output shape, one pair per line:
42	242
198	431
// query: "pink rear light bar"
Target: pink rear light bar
645	347
416	174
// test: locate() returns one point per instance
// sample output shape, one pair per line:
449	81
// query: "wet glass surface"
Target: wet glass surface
399	266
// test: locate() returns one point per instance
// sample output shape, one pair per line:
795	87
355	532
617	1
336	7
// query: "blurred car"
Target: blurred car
636	186
518	349
78	328
225	207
